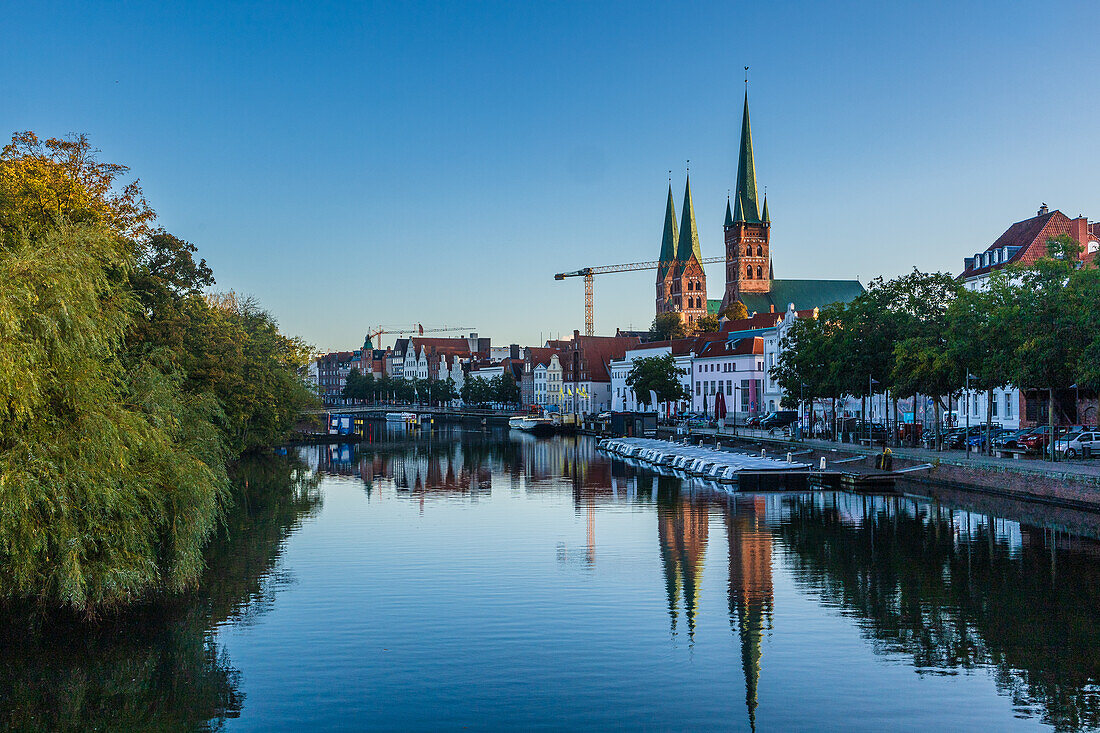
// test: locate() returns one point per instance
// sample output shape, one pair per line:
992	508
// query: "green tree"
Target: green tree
112	477
444	391
667	326
124	391
657	374
707	324
735	311
1039	306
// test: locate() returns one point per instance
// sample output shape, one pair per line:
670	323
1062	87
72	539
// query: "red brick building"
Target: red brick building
681	281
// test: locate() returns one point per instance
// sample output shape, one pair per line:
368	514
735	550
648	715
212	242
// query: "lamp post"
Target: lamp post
966	435
870	401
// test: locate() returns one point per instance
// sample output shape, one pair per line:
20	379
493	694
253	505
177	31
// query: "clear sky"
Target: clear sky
364	164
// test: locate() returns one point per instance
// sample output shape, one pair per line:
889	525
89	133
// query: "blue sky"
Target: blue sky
438	163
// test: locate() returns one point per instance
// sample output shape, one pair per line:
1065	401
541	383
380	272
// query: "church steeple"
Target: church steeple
729	215
764	216
746	209
689	235
668	239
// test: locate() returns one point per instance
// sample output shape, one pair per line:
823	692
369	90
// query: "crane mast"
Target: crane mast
589	272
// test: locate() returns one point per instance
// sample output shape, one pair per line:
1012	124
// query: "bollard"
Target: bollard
822	463
788	456
717	445
763	453
700	442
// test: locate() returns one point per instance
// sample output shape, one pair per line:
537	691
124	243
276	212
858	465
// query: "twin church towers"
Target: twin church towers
681	281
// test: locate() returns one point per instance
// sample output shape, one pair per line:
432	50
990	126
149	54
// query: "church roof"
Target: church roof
668	238
805	294
689	235
747	209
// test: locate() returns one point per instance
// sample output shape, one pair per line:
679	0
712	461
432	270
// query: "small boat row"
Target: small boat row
696	460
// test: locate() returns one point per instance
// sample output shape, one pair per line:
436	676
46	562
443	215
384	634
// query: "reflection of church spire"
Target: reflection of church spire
750	587
682	531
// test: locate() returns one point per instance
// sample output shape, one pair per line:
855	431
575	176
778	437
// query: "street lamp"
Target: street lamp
870	401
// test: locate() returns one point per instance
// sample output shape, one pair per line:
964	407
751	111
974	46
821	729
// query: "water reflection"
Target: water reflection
947	588
159	667
953	591
955	583
682	531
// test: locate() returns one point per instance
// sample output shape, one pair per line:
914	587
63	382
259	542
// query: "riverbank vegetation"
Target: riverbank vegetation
1035	326
126	387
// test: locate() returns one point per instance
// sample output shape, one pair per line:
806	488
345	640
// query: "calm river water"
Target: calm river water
495	581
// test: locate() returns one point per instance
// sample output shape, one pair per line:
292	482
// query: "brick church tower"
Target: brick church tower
681	281
747	229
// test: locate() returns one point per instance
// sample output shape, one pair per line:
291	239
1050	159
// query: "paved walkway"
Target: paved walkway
1085	468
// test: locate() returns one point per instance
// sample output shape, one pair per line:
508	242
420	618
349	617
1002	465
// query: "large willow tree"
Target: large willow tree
124	390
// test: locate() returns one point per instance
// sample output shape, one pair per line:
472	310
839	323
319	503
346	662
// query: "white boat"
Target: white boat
401	417
531	424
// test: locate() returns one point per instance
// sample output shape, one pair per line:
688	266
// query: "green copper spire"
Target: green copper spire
668	240
689	235
747	209
729	216
764	216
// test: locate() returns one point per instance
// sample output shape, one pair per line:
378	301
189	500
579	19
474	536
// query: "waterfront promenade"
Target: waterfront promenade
1064	483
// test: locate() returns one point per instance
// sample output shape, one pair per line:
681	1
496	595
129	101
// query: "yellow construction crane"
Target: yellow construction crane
588	272
417	329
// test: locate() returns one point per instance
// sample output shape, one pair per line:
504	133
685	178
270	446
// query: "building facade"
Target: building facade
681	281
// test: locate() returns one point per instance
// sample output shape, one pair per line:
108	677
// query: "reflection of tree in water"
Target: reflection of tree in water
158	667
951	593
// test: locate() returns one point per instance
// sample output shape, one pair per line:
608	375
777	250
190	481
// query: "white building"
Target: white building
623	398
733	366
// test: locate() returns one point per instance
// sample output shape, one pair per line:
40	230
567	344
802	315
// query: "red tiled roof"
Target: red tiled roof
1031	236
760	320
540	355
441	345
596	352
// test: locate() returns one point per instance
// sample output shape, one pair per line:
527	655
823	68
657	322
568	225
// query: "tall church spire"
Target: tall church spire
747	209
729	215
668	239
689	235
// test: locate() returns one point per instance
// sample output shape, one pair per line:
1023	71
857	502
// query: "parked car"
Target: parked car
1038	439
778	419
981	440
1073	444
754	421
1011	439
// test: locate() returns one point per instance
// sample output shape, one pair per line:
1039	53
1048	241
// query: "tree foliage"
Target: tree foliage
658	374
667	326
1036	326
735	311
707	324
124	390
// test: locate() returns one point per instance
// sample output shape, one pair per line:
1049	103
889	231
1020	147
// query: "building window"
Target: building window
758	275
748	272
748	251
697	389
759	251
1008	404
994	405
